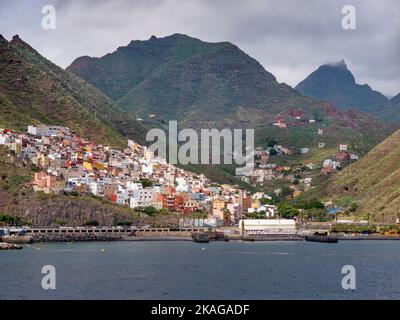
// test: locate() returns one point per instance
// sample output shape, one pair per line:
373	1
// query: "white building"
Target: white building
121	198
29	152
270	210
331	163
147	168
133	186
353	156
44	130
4	139
260	195
142	197
182	185
95	188
268	226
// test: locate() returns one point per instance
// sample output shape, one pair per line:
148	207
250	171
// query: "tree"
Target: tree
150	211
8	220
146	183
271	143
286	191
287	211
124	223
92	223
273	152
256	215
316	214
353	207
199	214
163	211
266	201
309	204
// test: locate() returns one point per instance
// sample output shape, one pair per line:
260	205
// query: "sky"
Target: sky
290	38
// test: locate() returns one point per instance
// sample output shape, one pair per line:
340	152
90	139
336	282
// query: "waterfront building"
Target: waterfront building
267	226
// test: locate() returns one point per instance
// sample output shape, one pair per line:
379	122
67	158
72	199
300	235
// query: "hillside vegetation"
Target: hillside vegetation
217	85
374	181
33	90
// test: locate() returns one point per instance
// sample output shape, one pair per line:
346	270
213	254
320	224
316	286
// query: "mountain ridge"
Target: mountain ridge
34	90
204	85
197	74
335	83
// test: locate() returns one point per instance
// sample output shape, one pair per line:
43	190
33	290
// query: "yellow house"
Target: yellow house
88	166
218	207
99	166
255	204
88	149
296	194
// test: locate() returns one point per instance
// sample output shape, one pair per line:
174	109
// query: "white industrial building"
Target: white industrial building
268	226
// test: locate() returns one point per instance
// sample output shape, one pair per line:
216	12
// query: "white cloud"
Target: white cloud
290	38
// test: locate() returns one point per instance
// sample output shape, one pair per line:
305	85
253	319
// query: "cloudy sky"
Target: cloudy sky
289	37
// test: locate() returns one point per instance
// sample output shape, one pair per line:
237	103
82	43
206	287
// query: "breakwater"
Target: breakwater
82	237
87	234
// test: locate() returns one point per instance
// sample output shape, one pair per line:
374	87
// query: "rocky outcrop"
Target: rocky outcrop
39	209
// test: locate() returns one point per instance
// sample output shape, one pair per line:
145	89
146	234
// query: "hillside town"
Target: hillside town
134	177
300	175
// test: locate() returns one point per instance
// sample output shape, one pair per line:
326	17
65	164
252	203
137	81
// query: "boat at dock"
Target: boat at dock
321	238
14	235
201	237
17	239
9	246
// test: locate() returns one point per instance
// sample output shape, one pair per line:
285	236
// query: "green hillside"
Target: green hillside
201	84
373	182
217	85
34	90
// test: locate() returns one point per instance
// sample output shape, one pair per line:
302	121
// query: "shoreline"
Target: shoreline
42	235
190	239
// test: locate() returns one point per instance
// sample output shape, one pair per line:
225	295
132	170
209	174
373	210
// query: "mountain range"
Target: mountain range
217	85
198	83
335	83
201	85
33	90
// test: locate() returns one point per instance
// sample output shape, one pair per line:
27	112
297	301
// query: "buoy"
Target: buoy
102	250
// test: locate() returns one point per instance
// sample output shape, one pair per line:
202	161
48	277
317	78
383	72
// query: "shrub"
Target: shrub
91	223
146	183
351	228
150	211
287	211
124	223
6	219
